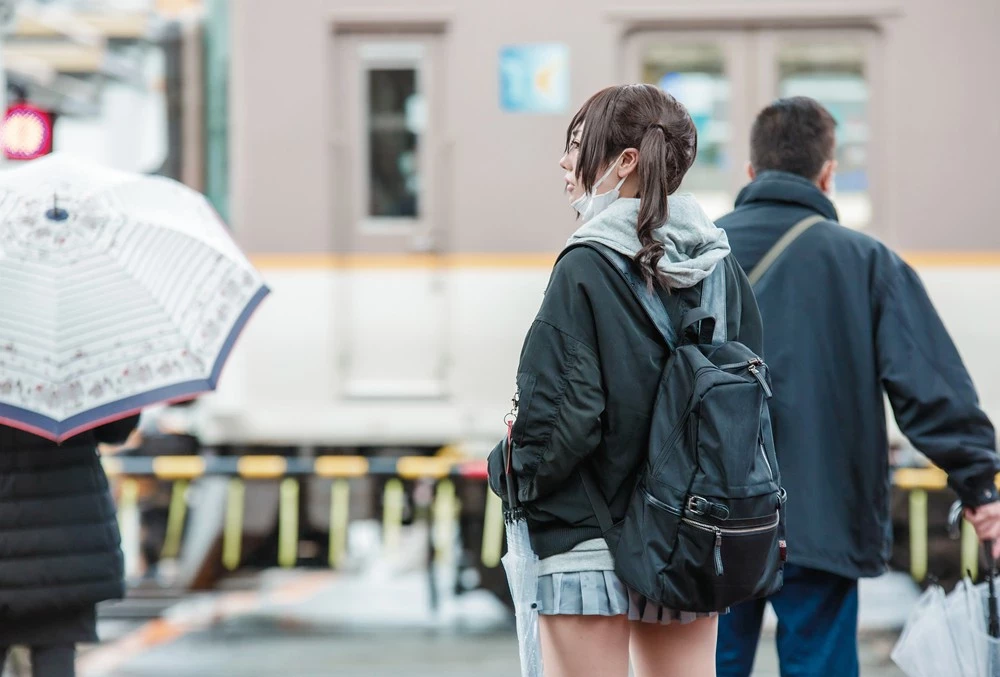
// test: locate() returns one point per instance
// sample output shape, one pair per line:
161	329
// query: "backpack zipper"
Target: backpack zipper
763	453
754	369
711	528
753	366
718	531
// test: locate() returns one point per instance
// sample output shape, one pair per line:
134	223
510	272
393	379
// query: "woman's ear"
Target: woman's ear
629	163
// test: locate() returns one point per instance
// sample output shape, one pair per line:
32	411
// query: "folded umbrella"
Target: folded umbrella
521	565
117	291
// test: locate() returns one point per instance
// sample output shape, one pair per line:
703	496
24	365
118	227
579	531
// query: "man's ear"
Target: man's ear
826	175
751	173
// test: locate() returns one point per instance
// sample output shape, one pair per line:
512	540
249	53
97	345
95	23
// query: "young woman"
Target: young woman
588	375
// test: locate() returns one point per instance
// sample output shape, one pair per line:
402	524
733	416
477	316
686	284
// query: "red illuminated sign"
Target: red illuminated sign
26	133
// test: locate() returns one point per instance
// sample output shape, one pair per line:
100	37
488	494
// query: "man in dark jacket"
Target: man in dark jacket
845	320
59	544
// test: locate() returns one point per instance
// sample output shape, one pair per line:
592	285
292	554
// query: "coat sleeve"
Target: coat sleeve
561	399
929	388
116	432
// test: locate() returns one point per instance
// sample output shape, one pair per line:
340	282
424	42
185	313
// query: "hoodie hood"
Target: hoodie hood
692	243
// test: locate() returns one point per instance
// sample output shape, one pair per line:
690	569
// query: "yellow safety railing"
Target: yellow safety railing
918	482
182	470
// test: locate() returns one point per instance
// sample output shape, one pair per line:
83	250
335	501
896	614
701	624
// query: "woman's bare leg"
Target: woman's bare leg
585	646
674	650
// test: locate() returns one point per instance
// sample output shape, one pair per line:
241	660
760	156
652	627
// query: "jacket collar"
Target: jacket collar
773	186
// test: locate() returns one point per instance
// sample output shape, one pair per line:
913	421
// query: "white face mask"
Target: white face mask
589	205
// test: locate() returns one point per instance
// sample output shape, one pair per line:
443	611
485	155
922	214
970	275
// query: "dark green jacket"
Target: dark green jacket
588	374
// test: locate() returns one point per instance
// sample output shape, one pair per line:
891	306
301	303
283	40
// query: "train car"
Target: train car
394	175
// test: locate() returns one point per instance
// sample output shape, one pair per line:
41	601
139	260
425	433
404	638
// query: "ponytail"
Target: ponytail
646	118
654	182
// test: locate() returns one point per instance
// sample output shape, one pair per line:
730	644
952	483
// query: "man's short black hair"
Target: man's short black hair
793	135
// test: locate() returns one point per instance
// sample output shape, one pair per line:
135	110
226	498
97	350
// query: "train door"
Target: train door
725	77
389	215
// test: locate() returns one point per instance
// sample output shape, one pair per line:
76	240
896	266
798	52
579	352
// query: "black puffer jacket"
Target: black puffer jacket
59	542
587	378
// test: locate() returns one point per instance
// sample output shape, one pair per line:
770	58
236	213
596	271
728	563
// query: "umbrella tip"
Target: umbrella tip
57	213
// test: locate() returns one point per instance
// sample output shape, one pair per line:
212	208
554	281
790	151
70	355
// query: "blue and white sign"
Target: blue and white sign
696	91
534	78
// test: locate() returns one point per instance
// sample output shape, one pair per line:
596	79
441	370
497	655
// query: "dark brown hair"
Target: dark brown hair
795	135
648	119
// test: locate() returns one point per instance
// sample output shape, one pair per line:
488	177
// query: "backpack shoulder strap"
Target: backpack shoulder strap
648	299
597	502
781	245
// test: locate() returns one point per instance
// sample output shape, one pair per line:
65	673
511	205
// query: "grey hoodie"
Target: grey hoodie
692	244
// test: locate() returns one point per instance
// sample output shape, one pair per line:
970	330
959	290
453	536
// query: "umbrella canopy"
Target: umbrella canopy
117	291
948	635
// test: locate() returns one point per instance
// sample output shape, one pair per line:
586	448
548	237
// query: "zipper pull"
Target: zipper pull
718	552
783	550
755	371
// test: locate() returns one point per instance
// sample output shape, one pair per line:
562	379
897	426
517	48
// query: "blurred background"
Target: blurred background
391	167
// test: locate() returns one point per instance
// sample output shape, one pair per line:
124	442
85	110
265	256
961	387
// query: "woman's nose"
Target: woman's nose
565	163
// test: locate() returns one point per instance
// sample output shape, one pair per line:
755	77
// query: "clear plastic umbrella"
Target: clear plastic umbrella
521	565
950	635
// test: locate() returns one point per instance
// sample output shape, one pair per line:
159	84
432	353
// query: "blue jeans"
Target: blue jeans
817	628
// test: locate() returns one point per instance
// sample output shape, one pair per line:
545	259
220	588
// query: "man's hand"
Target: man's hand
986	521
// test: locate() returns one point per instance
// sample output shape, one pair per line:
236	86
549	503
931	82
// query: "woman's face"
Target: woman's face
568	162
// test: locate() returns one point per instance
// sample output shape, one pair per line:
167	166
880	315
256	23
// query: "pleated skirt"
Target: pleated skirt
602	593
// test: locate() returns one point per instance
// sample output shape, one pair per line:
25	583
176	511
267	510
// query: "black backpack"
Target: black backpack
704	529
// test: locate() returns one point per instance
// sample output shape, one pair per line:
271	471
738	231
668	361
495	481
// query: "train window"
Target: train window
833	73
393	122
695	73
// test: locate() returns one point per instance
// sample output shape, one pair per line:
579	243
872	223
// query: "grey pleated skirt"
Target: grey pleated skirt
602	593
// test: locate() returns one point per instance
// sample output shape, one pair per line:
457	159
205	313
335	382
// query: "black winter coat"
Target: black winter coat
587	378
846	321
59	542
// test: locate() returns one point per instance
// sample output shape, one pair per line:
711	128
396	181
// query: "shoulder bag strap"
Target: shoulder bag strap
781	245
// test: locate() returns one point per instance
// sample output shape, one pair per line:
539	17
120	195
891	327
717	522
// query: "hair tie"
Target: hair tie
657	125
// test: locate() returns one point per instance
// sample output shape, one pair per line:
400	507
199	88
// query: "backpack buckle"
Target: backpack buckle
698	505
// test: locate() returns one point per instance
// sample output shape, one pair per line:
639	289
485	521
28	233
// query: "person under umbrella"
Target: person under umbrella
60	548
120	291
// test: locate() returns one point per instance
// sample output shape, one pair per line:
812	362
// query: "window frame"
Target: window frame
373	55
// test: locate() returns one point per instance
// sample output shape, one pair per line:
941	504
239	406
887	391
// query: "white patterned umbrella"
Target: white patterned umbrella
117	291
